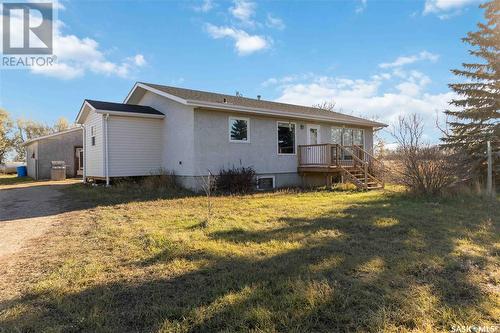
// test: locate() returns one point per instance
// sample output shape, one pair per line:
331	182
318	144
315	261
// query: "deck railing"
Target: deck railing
331	155
345	158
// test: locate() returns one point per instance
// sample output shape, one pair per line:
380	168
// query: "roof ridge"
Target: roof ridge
247	100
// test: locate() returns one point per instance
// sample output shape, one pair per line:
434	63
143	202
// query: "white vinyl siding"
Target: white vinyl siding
94	155
135	146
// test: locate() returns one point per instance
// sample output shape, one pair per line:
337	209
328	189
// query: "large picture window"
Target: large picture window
347	136
239	129
286	138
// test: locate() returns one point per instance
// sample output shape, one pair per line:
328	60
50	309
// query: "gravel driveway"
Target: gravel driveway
27	211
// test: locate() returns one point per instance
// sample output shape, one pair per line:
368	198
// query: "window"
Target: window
265	182
358	137
347	136
337	135
239	129
92	135
286	138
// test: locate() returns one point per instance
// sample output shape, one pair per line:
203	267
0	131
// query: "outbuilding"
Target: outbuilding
64	146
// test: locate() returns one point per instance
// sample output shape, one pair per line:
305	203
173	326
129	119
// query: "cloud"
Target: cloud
384	96
77	56
244	43
436	6
243	11
275	22
361	6
406	60
205	6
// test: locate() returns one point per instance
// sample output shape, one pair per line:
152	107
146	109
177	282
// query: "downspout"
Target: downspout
106	163
84	154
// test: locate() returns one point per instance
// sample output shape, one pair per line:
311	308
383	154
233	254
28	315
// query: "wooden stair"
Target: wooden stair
362	179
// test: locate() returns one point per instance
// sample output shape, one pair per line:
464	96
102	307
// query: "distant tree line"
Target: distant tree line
14	133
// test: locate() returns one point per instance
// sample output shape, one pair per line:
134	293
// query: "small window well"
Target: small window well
265	183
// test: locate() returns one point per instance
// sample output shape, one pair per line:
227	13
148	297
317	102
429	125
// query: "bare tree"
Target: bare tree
6	142
423	168
325	105
61	124
208	184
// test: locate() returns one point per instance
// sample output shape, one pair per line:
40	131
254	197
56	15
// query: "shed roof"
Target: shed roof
74	129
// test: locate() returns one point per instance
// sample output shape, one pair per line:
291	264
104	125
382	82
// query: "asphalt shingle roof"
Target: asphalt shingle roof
205	96
100	105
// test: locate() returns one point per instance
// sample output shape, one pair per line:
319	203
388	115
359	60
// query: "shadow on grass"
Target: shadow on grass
374	264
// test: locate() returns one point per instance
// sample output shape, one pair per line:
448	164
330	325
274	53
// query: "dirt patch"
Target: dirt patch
27	211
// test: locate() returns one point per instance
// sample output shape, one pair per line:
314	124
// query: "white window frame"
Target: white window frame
266	176
229	129
294	141
92	135
362	135
342	134
312	126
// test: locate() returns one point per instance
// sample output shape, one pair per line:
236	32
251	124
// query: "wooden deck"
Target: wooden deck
352	162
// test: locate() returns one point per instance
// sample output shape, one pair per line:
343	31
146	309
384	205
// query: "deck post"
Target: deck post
329	154
328	180
337	154
366	175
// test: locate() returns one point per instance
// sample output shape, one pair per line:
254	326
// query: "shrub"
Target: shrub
422	168
236	180
163	179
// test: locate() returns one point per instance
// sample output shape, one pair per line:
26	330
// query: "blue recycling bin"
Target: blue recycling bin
22	171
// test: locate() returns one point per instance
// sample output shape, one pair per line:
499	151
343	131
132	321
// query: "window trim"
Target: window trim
265	176
294	140
229	129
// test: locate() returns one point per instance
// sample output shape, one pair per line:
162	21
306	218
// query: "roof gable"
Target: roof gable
119	109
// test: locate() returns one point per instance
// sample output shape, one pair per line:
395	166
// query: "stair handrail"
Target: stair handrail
354	179
374	159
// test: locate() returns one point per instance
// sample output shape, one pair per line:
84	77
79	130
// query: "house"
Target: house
194	132
64	146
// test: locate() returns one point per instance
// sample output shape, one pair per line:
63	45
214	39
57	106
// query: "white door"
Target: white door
314	155
313	134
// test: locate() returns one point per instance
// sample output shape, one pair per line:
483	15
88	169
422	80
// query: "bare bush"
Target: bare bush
208	185
163	179
422	168
236	180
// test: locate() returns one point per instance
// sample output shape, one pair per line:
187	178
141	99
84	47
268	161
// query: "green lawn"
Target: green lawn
13	179
139	261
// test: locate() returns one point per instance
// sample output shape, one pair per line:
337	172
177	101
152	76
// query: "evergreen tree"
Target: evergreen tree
476	119
239	130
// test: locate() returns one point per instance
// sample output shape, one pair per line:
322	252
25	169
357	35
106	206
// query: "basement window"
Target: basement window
265	182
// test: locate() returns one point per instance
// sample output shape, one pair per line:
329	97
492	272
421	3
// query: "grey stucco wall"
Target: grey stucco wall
58	148
214	151
177	134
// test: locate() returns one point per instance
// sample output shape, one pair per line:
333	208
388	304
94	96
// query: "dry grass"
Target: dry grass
12	179
138	261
